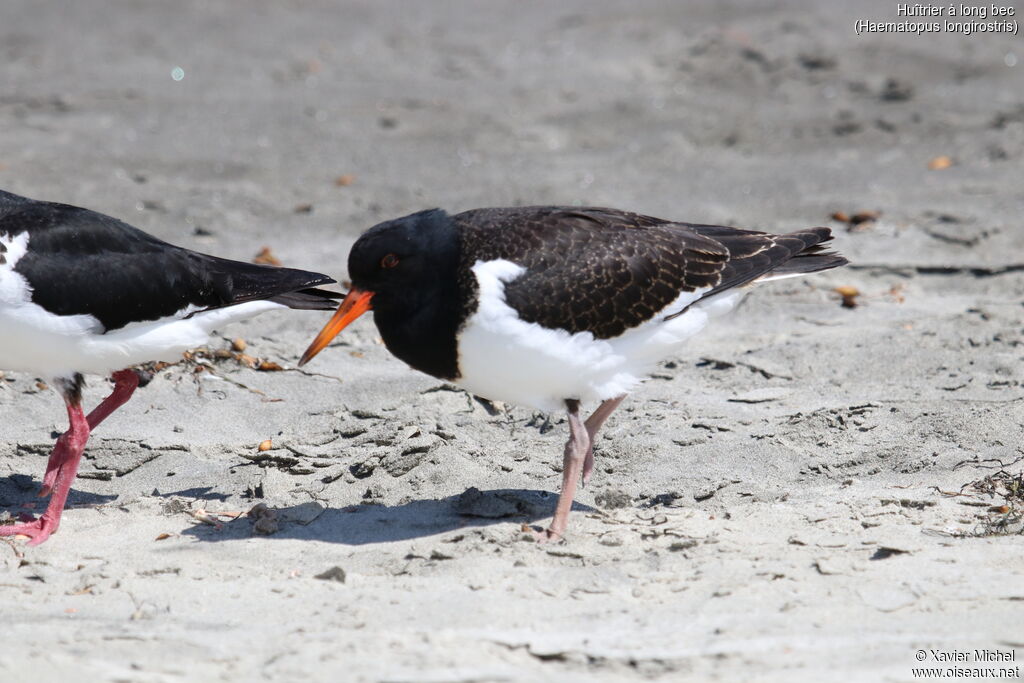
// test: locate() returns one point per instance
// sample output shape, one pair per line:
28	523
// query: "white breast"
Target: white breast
507	359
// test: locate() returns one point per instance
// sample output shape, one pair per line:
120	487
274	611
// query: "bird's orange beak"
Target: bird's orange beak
355	304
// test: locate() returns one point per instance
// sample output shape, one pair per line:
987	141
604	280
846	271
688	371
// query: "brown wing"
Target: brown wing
605	271
595	270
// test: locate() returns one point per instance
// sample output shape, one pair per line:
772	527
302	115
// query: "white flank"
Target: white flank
34	340
507	359
37	341
13	287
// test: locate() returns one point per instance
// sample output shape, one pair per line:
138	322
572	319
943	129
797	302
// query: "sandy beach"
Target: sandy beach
807	491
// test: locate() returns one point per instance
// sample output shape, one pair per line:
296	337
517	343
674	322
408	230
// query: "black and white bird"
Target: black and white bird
84	293
548	307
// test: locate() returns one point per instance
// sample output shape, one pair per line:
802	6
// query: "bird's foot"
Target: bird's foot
548	535
37	530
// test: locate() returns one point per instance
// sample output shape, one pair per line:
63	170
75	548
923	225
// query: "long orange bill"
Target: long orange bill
355	304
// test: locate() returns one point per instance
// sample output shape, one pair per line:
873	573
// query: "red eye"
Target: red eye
389	261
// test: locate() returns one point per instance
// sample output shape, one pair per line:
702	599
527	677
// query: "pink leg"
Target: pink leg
125	384
575	450
58	456
78	433
593	425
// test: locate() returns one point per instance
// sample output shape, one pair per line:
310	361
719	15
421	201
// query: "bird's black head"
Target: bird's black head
397	258
404	270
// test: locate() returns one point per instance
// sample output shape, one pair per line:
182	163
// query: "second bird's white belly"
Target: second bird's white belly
504	358
34	340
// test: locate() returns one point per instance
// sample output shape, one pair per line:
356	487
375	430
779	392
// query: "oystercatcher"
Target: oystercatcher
81	292
554	306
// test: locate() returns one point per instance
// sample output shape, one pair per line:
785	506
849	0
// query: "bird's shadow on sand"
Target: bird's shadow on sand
19	494
368	523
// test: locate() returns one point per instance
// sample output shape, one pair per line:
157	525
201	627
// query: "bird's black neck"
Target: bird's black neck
422	330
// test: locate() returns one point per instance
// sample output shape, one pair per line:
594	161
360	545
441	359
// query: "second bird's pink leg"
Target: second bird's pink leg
572	463
593	425
74	445
125	384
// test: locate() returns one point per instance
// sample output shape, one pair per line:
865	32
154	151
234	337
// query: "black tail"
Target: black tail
236	282
755	256
811	259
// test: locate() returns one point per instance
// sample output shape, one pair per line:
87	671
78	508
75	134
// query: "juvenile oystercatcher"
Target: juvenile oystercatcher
84	293
554	306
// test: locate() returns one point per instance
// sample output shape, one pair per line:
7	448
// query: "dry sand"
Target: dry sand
778	503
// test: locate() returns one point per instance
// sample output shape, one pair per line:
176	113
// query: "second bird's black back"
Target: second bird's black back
83	262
